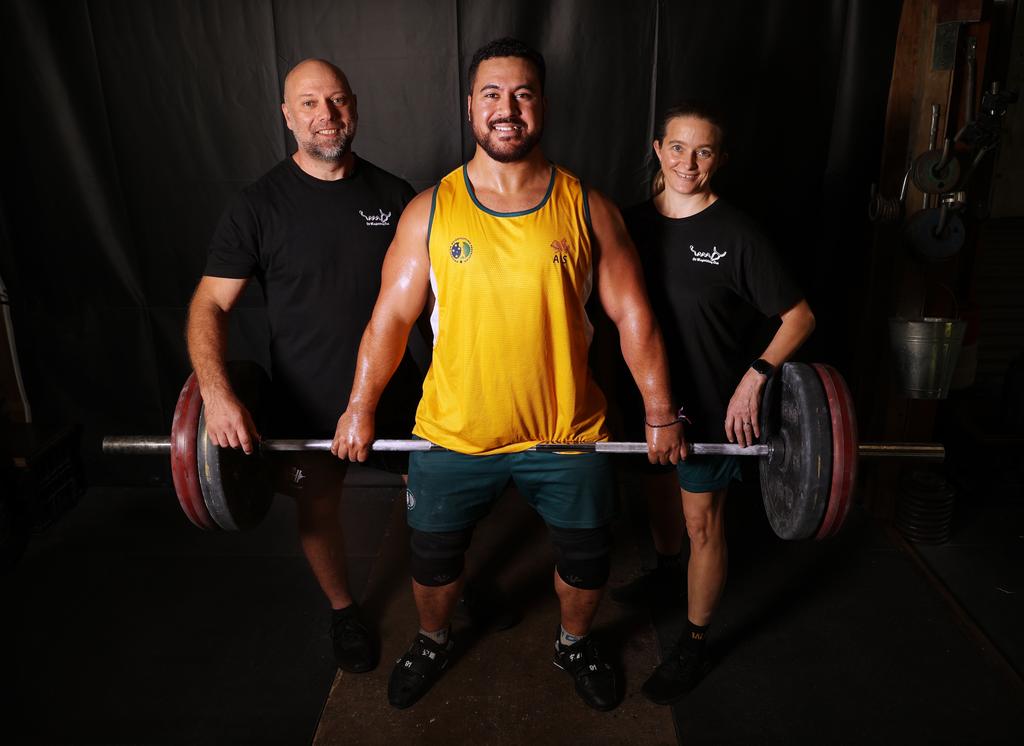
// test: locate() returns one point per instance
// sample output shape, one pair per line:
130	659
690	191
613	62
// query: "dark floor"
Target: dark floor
124	624
982	565
847	641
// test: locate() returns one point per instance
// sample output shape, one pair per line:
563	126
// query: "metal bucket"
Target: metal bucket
926	350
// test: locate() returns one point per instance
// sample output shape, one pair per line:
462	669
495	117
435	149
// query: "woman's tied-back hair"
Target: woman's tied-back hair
688	108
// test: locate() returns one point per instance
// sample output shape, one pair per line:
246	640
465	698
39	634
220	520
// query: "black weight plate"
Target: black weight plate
923	532
236	487
919	514
924	515
909	502
796	480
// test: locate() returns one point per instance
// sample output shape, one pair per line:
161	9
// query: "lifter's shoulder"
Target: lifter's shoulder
605	219
416	216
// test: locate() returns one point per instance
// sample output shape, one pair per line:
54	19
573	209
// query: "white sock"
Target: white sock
566	638
440	637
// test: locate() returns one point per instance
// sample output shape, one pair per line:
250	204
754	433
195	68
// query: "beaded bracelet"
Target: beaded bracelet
680	417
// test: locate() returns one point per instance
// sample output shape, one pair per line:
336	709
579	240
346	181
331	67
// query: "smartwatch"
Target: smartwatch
763	367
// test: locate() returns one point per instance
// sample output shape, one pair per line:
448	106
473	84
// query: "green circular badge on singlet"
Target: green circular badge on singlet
461	250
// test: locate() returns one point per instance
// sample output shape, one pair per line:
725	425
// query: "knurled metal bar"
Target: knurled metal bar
142	445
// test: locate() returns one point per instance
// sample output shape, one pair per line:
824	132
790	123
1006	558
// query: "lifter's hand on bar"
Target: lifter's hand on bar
666	445
353	437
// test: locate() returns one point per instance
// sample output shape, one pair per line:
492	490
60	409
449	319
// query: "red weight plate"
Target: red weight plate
835	500
844	450
853	440
184	466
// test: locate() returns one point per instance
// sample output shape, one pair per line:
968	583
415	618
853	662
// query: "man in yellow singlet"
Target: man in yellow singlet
511	246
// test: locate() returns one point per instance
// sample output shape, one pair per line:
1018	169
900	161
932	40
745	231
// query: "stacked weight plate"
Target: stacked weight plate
807	481
219	488
924	513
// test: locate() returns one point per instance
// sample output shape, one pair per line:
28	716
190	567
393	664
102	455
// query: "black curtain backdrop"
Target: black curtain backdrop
129	124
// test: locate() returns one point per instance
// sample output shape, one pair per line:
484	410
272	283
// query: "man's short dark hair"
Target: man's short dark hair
507	47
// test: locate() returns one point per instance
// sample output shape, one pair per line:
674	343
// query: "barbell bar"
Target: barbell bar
141	445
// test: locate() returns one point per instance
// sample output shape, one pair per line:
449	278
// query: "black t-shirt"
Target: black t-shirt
711	277
316	248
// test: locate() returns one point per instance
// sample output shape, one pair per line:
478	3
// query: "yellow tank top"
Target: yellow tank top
511	335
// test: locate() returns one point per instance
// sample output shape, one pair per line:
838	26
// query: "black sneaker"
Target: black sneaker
596	682
661	587
484	608
416	671
355	647
675	676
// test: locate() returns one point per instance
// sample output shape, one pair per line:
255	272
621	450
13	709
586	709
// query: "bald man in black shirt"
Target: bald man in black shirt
313	232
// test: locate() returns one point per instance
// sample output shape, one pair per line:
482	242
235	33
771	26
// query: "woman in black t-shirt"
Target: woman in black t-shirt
710	275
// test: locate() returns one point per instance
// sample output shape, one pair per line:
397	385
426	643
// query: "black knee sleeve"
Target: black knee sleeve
438	556
582	556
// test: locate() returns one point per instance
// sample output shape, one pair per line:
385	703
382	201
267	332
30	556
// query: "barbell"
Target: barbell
807	457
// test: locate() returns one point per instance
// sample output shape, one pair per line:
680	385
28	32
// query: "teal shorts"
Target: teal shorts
708	473
450	491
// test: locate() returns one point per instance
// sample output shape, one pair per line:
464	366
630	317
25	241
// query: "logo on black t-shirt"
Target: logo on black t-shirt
380	219
707	257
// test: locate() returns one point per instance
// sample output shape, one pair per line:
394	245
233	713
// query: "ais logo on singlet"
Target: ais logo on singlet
561	252
461	250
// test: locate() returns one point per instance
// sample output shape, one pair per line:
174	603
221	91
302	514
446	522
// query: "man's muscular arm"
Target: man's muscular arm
228	423
405	282
621	289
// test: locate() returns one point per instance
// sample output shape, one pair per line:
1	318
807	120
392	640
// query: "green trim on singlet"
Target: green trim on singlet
430	221
472	196
586	210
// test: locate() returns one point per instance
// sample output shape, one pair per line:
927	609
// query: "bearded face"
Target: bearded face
506	110
320	110
327	140
507	139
